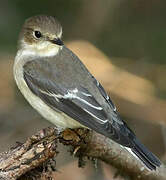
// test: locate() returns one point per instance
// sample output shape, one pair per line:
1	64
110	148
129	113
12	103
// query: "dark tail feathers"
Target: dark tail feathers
149	159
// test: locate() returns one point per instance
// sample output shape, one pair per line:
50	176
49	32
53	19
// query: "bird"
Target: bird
58	85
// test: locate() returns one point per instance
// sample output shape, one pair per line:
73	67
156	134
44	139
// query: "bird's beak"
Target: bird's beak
57	41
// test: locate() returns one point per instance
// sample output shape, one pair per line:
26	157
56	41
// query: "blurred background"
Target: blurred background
122	42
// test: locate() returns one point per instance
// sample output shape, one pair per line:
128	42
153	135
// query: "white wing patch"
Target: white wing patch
74	94
56	96
100	120
86	94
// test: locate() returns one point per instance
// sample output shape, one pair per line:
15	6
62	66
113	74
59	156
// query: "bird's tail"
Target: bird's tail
148	158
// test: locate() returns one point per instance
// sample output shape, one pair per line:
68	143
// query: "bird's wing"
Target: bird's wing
85	101
78	103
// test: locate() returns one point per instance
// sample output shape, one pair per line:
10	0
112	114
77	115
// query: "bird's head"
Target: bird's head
41	35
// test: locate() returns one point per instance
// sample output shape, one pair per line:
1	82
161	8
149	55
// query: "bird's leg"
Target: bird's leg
95	163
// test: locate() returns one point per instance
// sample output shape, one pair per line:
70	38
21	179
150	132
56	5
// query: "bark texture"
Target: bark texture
35	158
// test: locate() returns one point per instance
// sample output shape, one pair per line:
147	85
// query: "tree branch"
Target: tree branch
25	157
42	146
97	146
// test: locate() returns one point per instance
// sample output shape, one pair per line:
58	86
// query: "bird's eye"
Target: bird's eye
37	34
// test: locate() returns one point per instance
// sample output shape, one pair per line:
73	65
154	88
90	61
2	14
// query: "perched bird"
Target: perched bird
56	83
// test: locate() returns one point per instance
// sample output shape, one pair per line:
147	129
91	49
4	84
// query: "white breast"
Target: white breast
58	118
